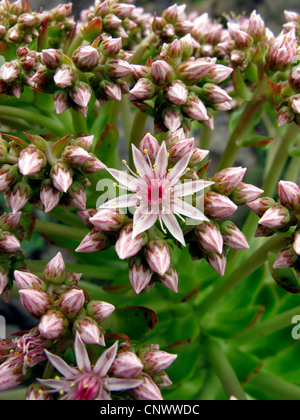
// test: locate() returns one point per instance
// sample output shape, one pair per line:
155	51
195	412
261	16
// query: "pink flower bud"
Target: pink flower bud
111	46
8	242
218	263
61	177
245	193
86	57
214	94
148	390
61	101
127	246
233	237
179	149
170	279
108	220
31	161
52	58
95	240
276	217
99	310
158	256
85	216
241	38
287	258
119	68
192	71
296	244
195	109
262	232
19	196
10	72
3	278
36	302
139	274
157	360
71	303
93	165
111	90
294	77
76	196
176	92
218	73
289	194
294	102
8	175
49	196
282	51
111	22
285	116
89	331
161	72
55	270
209	237
197	156
261	205
81	94
172	118
149	146
218	206
53	324
144	89
64	77
126	365
25	280
228	179
86	142
257	27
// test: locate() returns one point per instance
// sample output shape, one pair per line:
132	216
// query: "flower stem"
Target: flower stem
273	174
275	386
233	279
243	125
34	118
76	42
206	137
142	48
79	122
223	369
49	228
268	327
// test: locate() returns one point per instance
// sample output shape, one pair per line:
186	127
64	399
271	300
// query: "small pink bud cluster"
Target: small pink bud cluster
147	363
60	305
59	169
278	217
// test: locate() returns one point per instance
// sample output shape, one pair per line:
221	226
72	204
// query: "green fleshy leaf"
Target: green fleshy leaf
240	86
244	364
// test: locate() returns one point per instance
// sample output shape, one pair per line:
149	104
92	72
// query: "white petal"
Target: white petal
124	178
173	227
81	354
142	222
190	186
106	360
126	200
161	161
141	164
179	168
186	209
61	365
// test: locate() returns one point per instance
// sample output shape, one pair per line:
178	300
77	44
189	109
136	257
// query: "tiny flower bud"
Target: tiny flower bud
3	278
158	256
76	196
52	58
193	71
85	216
176	93
99	310
36	302
55	270
89	331
71	303
161	72
61	101
170	279
8	174
85	142
241	38
86	58
93	165
64	77
53	324
9	72
214	94
296	244
111	46
148	390
127	246
108	220
218	73
289	194
209	237
31	161
119	68
95	240
257	27
139	274
197	156
218	206
144	89
172	118
111	90
8	242
287	258
49	196
126	365
227	180
19	196
261	205
275	217
157	360
245	193
195	109
233	237
218	263
25	280
81	94
61	177
294	102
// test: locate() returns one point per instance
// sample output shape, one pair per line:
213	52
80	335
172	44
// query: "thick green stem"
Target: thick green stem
126	117
142	48
43	121
233	279
252	107
206	137
79	122
267	328
210	388
137	131
275	386
292	173
273	174
49	228
223	369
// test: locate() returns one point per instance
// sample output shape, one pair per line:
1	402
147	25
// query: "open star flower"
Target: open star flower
157	193
87	382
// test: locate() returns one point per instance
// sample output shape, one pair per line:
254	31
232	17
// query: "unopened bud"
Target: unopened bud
36	302
218	206
99	310
126	365
53	324
55	270
209	237
31	161
127	246
139	274
95	240
232	236
71	303
158	256
228	179
25	280
89	331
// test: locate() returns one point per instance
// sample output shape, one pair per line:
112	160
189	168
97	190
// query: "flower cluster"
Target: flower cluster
47	173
